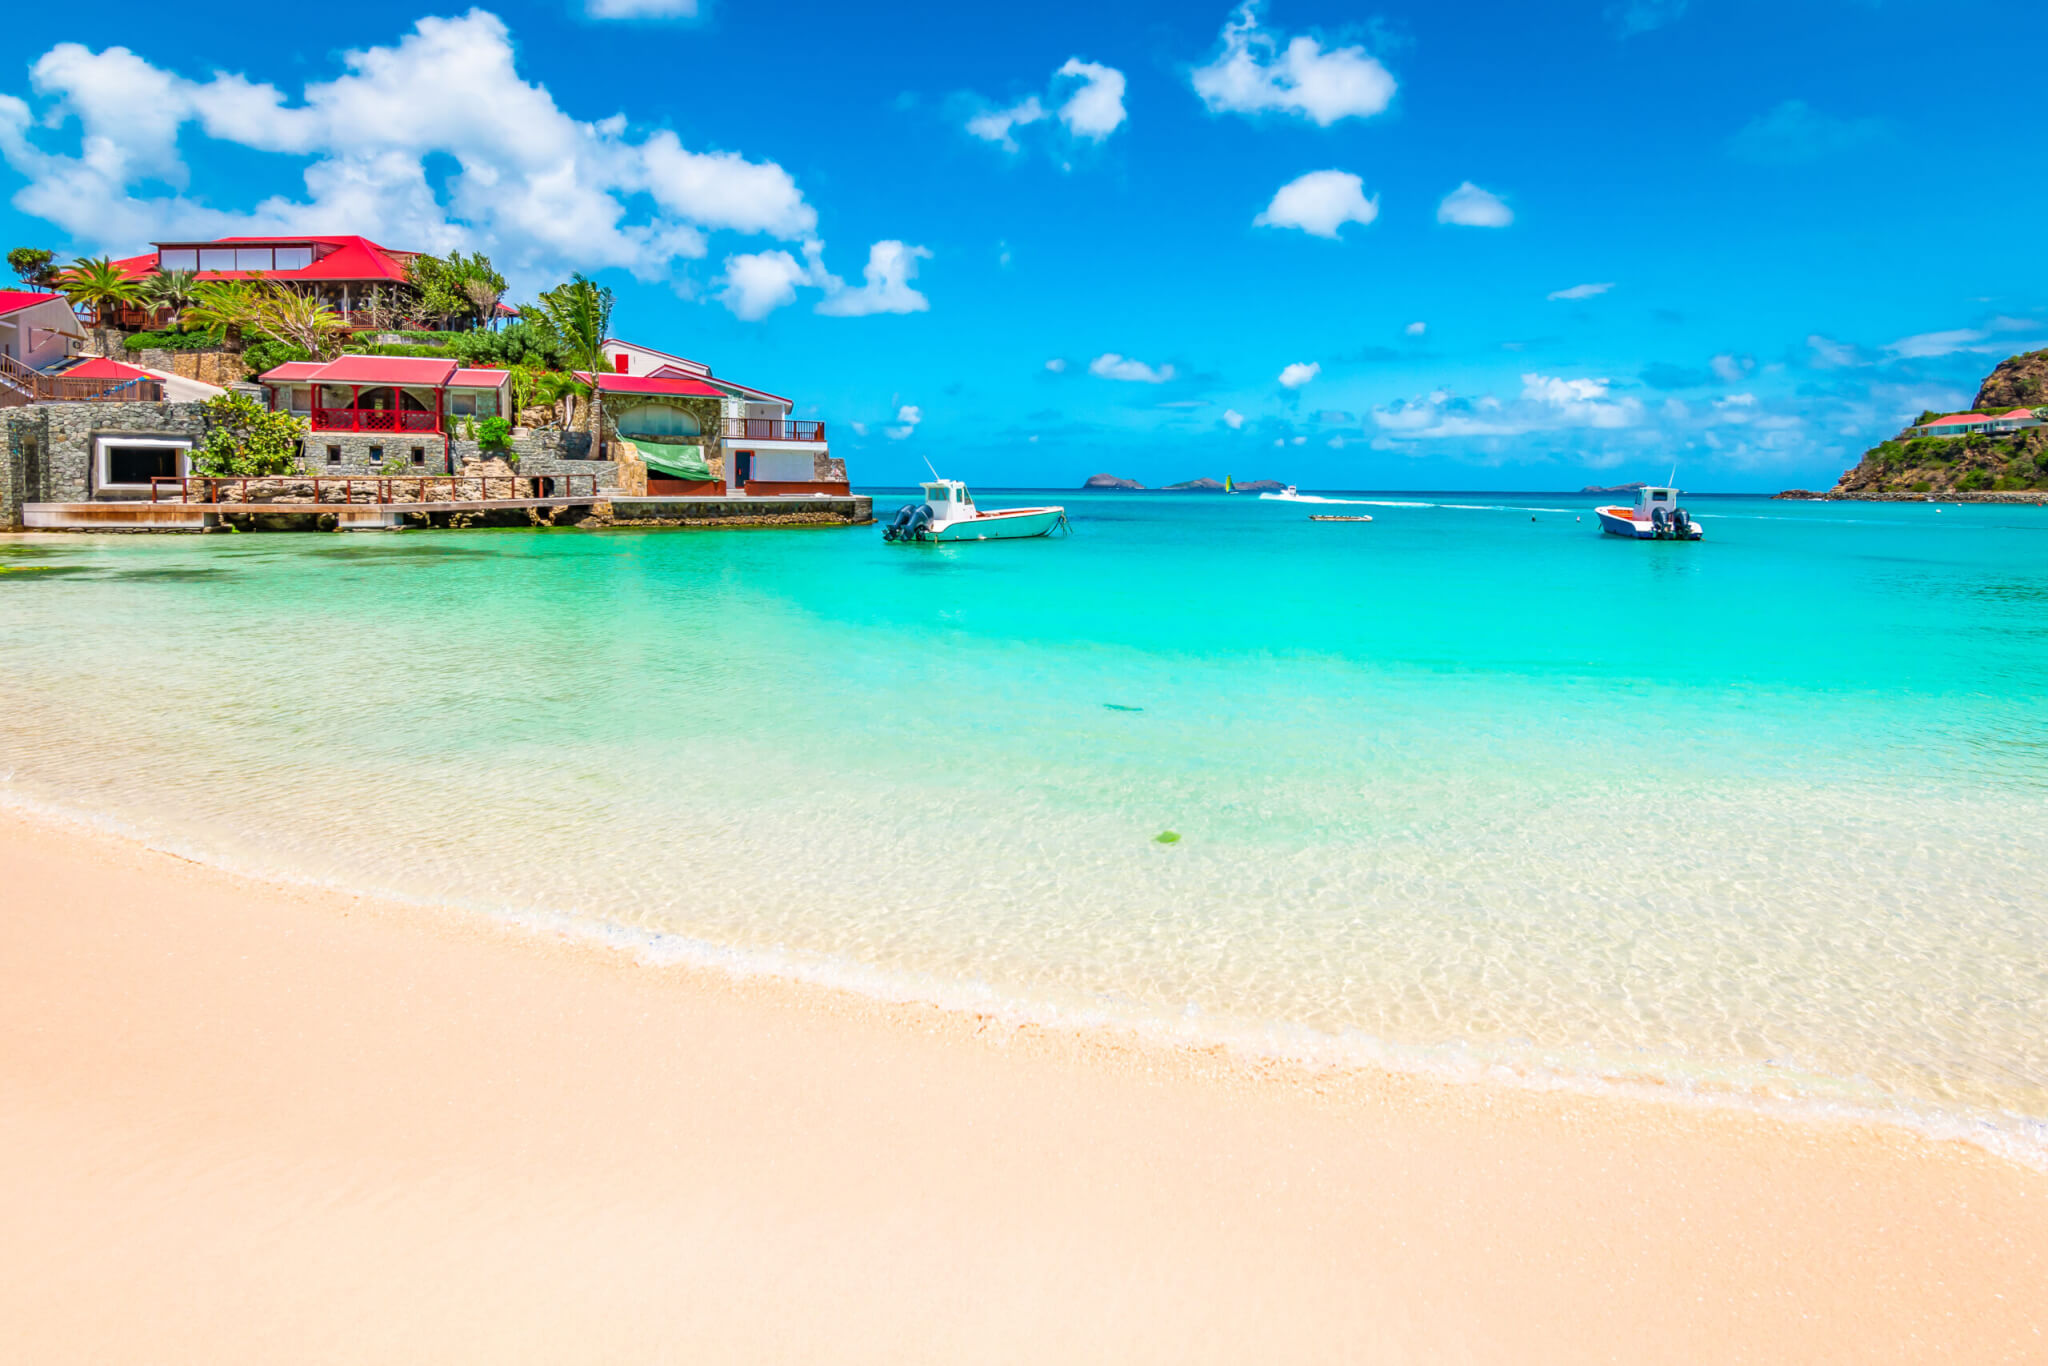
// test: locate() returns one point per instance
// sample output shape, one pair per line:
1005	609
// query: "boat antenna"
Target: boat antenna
1672	482
928	465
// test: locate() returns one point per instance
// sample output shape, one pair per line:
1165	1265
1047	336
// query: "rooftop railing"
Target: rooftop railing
772	429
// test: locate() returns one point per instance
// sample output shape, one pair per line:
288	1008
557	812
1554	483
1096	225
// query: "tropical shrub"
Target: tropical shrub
266	356
493	431
228	309
457	286
246	440
173	341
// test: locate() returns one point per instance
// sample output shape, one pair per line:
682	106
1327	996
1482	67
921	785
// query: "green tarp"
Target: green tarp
677	462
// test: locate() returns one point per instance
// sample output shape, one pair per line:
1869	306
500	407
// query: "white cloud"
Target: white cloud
1468	206
640	9
758	283
1058	365
1729	369
1580	291
1547	403
1416	329
1089	112
1097	108
1233	419
859	428
1795	132
1320	202
1254	73
1832	355
907	418
1297	440
891	265
994	125
1298	374
542	192
1109	365
1926	345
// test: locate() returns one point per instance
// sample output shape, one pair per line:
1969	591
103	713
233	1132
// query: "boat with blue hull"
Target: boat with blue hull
1655	517
948	513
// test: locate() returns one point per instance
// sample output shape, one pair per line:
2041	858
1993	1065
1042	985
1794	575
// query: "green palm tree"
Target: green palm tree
580	315
173	290
98	284
229	307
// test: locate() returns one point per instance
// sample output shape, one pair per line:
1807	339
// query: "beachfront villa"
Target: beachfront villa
341	271
1978	424
373	414
37	330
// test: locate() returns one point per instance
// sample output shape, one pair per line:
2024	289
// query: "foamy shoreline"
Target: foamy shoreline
297	1123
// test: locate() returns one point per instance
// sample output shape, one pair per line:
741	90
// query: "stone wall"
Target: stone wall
50	445
349	453
223	368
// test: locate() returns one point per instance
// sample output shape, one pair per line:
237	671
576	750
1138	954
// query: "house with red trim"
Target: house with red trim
37	331
748	442
1979	424
339	270
369	414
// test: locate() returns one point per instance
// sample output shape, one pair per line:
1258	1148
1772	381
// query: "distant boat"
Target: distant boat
948	514
1335	517
1655	517
1226	485
1290	494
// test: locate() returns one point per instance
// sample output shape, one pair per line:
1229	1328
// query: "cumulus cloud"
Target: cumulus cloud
1320	202
542	192
1298	374
907	418
994	125
1832	355
1731	368
1058	365
887	284
1256	73
1468	206
1550	403
755	284
1580	291
1109	365
1416	329
1089	111
1795	133
1233	419
640	9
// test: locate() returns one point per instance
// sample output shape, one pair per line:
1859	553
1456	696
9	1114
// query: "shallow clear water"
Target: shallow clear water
1469	787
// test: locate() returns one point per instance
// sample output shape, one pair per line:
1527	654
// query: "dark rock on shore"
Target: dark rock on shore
1110	481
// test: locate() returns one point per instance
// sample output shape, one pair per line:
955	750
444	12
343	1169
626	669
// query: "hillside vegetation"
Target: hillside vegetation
1966	464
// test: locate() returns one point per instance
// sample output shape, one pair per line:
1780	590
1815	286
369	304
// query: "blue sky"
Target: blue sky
1442	246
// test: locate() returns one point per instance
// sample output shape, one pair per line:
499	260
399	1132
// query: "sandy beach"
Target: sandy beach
242	1122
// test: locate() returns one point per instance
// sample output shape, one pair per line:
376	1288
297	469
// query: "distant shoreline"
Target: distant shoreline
2030	496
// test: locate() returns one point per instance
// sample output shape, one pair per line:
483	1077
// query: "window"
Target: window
419	455
132	461
461	404
334	455
216	258
294	258
487	405
177	258
252	258
301	400
376	455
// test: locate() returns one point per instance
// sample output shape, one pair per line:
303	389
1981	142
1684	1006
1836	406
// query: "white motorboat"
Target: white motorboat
1290	494
948	514
1655	517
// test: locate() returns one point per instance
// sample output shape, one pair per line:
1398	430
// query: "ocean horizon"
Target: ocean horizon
1470	789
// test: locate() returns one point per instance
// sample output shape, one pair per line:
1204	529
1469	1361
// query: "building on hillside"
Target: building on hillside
702	435
37	330
1979	424
371	414
339	270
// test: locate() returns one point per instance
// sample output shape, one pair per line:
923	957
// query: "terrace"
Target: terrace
88	383
772	429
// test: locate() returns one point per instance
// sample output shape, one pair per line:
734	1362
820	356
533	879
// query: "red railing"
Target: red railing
379	488
772	429
41	388
374	420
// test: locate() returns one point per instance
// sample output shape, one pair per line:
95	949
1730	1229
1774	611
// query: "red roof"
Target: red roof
423	370
353	258
99	367
2019	412
479	379
674	387
1959	420
14	300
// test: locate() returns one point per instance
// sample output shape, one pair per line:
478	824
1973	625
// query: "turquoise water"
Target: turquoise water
1469	788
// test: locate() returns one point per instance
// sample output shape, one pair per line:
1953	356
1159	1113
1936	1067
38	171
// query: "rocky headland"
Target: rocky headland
1110	481
2011	467
1636	487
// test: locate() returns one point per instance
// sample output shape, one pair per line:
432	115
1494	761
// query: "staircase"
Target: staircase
20	384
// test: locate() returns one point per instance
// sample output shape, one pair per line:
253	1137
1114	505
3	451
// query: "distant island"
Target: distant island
1204	485
1997	451
1636	487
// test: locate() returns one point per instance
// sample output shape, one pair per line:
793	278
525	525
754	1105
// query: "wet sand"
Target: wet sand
242	1122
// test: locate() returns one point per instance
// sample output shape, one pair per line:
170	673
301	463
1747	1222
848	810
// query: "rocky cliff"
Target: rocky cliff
1908	464
2017	382
1109	481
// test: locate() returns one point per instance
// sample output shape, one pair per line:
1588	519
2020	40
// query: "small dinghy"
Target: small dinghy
1655	517
1334	517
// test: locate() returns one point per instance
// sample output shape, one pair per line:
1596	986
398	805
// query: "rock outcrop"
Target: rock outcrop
1636	487
2017	382
1110	481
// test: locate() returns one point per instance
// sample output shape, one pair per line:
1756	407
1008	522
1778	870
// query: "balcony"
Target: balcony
33	386
772	429
374	420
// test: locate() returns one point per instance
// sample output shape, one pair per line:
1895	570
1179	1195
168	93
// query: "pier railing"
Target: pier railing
359	490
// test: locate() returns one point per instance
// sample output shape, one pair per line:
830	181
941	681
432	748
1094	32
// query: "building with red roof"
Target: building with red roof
421	395
1978	424
37	330
340	270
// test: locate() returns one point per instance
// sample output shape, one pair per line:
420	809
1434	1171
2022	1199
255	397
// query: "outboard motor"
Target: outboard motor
1660	523
1681	523
909	522
894	530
